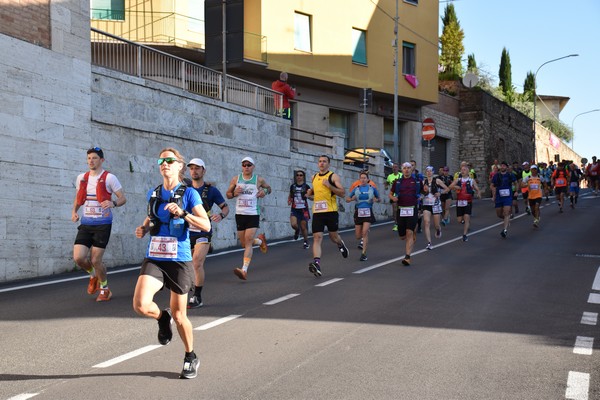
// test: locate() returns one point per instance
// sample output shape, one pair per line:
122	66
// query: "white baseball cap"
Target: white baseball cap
249	159
198	162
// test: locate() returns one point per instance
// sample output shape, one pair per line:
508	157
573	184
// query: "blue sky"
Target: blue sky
536	31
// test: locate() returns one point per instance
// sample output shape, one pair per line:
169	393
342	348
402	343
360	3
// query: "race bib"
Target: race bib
94	211
560	181
321	205
462	203
299	201
504	192
407	211
437	208
364	212
574	184
247	203
594	173
534	186
163	247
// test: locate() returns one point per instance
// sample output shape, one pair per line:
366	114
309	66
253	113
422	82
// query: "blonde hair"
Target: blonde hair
180	158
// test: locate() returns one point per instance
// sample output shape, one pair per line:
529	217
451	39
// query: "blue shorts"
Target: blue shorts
301	214
503	201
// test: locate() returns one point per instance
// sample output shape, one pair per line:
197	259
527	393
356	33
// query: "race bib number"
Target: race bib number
560	181
163	247
462	203
321	205
437	208
364	212
504	192
594	173
247	203
534	186
93	211
407	211
299	201
574	184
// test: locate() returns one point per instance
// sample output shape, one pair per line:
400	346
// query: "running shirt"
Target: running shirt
324	198
210	196
364	199
574	177
561	178
93	214
524	176
534	186
247	202
393	177
430	198
593	169
503	183
165	246
298	195
408	191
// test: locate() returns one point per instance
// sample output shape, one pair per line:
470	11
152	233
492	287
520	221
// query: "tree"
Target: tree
529	87
471	63
505	76
452	45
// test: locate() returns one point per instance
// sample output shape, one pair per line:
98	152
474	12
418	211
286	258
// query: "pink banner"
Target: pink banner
554	141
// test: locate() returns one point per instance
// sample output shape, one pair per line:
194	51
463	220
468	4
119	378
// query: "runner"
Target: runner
592	171
433	187
406	191
168	261
299	214
575	176
94	192
201	242
248	188
525	173
446	197
560	182
502	195
354	185
364	195
326	186
534	186
467	187
545	175
389	182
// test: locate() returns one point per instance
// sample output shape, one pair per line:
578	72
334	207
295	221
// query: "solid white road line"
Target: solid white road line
594	298
127	356
589	318
583	345
329	282
596	285
217	322
280	299
23	396
578	386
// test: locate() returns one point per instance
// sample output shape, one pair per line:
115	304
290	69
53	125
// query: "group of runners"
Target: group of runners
180	214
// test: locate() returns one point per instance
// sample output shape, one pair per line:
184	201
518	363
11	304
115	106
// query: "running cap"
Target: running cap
534	166
406	164
197	161
429	168
249	159
525	163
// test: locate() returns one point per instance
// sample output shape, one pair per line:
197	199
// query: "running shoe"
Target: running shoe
190	367
536	223
165	333
343	250
448	221
263	245
360	244
395	228
93	285
105	294
406	261
443	222
528	210
504	233
363	257
438	233
462	221
195	302
315	269
429	246
465	238
240	273
296	234
306	245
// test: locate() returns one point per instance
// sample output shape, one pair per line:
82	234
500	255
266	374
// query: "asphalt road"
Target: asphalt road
491	318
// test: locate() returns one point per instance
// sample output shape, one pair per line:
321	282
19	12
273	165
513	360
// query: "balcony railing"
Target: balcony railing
131	58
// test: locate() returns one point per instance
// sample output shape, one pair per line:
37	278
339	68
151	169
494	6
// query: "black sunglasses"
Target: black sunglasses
168	160
247	165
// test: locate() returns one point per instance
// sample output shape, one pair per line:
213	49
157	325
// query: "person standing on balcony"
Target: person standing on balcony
282	103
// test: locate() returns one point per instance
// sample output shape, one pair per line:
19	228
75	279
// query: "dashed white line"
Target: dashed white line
280	299
583	345
596	285
216	322
589	318
126	356
594	298
329	282
578	386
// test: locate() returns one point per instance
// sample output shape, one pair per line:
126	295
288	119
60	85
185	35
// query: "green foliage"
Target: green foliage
529	87
559	129
471	63
451	43
505	75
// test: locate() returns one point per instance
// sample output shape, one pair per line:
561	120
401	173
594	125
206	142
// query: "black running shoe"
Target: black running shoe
165	333
343	250
315	269
306	245
465	238
406	261
296	234
363	257
195	302
190	367
504	233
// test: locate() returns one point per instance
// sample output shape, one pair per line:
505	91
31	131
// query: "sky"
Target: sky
536	31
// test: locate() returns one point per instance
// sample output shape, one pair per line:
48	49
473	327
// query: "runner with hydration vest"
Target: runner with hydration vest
560	182
534	185
466	187
364	195
502	186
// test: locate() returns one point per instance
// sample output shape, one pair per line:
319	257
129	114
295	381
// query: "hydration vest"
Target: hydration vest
155	202
101	192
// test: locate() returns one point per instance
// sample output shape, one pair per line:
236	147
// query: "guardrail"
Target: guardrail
112	52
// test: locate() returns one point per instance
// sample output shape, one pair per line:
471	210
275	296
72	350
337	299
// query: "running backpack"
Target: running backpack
156	200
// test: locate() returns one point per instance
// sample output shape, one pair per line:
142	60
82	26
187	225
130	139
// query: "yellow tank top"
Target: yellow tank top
324	199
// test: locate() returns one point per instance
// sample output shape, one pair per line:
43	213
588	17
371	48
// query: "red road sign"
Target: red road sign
428	129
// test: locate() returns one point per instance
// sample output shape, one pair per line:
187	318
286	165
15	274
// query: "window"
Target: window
415	2
408	58
302	39
108	9
196	14
359	46
339	122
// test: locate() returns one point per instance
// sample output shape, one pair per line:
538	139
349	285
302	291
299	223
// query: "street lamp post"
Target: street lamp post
535	98
573	126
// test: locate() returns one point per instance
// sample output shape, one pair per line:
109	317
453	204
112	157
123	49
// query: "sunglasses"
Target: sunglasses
95	149
246	165
168	160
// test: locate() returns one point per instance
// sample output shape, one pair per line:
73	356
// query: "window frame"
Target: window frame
356	43
409	58
97	7
300	42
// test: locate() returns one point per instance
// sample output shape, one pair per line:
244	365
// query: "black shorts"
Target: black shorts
560	189
301	214
533	202
430	209
200	237
407	223
361	220
445	196
93	235
177	276
243	222
328	219
460	211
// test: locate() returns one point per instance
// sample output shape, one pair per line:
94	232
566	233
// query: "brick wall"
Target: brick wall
27	20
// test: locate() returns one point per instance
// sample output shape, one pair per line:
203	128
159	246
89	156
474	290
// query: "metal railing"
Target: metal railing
122	55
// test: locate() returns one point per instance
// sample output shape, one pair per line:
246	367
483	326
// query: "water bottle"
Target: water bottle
176	227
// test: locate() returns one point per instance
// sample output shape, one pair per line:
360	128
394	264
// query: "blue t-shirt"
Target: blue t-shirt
364	196
210	198
502	182
165	246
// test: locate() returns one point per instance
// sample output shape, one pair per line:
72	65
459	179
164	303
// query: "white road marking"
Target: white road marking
329	282
216	322
594	298
127	356
583	345
23	396
280	299
589	318
578	386
596	285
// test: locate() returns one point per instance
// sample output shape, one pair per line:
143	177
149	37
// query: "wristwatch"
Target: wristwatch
114	203
184	214
222	216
